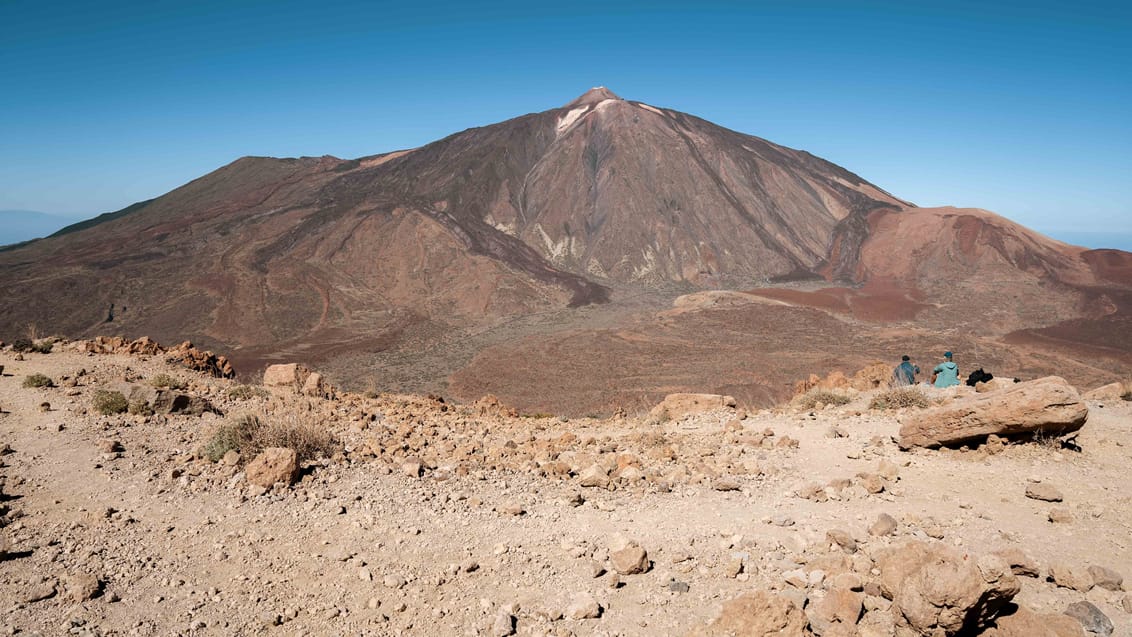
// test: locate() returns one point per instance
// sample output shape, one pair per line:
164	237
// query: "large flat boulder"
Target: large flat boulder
1049	405
679	405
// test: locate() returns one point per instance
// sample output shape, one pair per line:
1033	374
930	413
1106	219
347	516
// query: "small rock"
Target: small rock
504	624
108	445
725	484
630	560
595	476
412	468
1020	563
39	592
511	509
275	464
885	525
677	586
843	539
1044	492
1091	618
1072	577
83	587
394	581
231	459
1106	578
583	606
1060	515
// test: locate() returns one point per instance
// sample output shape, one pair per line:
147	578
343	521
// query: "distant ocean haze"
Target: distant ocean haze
1093	239
23	225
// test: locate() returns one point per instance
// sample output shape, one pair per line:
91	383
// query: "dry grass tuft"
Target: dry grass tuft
899	398
249	435
166	381
815	397
247	392
38	380
110	402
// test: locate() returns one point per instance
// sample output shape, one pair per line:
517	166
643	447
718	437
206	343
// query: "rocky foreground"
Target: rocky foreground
385	514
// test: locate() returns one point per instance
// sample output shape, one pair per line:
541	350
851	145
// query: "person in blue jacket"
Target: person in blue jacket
905	372
946	374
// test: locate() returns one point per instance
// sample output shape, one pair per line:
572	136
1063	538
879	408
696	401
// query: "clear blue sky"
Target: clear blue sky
1024	108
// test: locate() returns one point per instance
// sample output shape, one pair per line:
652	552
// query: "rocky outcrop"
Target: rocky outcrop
296	378
1111	391
757	614
679	405
184	354
937	590
1047	405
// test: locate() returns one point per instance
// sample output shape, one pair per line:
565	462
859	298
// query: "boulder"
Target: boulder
83	586
275	464
1049	405
1106	578
1091	618
757	614
1024	622
1070	576
885	525
1020	563
841	607
290	376
1111	391
679	405
1044	492
938	590
173	402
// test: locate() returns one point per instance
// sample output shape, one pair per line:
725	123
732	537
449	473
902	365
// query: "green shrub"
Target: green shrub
168	382
110	402
22	345
38	380
814	397
249	435
43	347
899	398
247	392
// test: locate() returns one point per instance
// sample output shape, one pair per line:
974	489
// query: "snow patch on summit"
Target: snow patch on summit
569	118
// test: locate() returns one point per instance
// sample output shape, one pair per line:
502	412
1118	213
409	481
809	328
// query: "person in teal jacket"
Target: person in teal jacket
946	374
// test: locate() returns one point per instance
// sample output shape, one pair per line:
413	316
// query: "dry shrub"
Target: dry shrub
1127	396
899	398
247	392
249	435
38	380
110	402
140	407
168	382
814	397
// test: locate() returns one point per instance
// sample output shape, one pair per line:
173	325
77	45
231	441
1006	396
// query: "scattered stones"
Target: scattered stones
676	406
1044	492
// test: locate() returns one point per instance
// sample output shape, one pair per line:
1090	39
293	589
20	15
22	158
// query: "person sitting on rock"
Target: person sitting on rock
946	374
905	373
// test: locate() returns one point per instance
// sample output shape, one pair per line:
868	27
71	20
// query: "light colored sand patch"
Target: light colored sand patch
569	118
377	161
652	108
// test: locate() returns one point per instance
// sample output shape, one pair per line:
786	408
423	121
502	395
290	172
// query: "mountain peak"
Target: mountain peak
593	96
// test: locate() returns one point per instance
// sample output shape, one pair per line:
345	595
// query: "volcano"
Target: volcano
569	260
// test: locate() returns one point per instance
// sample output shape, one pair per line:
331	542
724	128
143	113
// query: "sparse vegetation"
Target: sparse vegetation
899	398
140	407
1126	396
38	380
166	381
108	402
815	397
43	347
22	345
247	392
249	435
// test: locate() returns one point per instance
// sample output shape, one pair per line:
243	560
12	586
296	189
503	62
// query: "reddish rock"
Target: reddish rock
757	614
679	405
275	464
1049	405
